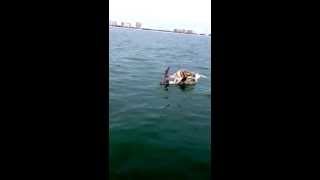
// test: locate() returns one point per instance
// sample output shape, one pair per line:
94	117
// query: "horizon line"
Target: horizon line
153	26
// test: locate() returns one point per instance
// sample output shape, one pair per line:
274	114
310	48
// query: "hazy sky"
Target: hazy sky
164	14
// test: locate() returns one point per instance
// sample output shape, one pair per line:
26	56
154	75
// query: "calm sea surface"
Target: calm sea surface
157	133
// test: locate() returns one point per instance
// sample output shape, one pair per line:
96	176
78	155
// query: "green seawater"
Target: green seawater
156	132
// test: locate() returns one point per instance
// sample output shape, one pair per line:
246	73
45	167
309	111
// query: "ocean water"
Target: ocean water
156	132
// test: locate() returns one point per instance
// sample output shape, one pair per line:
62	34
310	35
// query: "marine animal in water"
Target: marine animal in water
181	77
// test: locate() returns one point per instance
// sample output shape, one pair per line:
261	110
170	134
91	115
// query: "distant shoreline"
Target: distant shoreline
150	29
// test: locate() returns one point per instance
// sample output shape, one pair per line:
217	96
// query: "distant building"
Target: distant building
113	23
179	30
138	25
125	24
189	32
